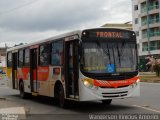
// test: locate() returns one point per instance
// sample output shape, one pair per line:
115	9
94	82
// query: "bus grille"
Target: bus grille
115	94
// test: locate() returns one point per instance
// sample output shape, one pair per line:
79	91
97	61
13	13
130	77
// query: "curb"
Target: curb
150	81
2	98
14	113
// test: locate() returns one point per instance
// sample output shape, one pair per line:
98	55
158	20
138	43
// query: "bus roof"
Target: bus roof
45	40
78	32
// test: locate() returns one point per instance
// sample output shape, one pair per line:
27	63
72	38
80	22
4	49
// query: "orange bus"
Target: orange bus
83	65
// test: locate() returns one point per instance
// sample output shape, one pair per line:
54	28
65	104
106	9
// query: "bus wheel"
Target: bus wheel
21	89
62	101
107	102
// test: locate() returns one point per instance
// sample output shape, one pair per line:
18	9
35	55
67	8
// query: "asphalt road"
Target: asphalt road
44	108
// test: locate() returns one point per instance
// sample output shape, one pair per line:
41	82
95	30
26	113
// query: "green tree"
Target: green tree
155	65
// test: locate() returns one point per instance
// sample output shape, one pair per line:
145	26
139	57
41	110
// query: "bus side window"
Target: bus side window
57	53
20	58
9	59
44	55
26	57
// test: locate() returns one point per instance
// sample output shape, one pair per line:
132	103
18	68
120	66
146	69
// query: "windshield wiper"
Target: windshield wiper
108	54
121	53
119	56
104	50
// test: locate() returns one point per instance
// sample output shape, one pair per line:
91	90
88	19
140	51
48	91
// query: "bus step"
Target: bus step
34	93
74	97
71	96
77	97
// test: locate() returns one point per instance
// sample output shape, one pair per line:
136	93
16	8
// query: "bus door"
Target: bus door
14	70
33	69
71	69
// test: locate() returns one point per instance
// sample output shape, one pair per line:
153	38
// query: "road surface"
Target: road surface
44	108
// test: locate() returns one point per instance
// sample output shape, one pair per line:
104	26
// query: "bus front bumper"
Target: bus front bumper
89	94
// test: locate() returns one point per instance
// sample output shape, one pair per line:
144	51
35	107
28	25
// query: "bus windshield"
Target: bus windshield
109	57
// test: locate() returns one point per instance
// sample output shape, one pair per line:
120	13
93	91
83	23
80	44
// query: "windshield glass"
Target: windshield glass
109	57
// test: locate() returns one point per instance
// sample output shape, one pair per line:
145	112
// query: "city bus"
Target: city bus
98	64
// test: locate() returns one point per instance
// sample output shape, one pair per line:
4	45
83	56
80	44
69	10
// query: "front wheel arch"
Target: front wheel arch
56	88
59	94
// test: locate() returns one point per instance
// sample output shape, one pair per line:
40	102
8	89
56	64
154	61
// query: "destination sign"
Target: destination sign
108	34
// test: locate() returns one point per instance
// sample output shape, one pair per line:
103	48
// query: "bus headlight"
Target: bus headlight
88	83
138	81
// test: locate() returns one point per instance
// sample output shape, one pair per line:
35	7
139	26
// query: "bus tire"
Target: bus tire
107	102
23	95
62	100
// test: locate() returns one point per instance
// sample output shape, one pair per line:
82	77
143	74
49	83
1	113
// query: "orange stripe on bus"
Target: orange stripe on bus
43	73
115	83
23	73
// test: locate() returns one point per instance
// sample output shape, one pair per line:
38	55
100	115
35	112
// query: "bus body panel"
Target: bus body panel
43	80
23	73
54	76
9	76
